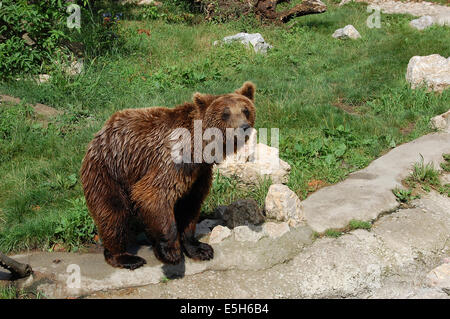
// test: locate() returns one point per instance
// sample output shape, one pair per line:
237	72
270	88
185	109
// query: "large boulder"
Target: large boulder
282	204
422	23
243	212
432	71
255	162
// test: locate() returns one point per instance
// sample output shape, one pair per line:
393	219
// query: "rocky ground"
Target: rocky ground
403	255
415	8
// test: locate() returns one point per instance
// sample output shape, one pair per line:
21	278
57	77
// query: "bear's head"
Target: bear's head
233	110
233	114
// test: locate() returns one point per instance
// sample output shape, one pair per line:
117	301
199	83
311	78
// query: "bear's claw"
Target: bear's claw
200	251
126	261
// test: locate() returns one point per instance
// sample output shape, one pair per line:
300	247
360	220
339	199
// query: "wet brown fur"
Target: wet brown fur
128	170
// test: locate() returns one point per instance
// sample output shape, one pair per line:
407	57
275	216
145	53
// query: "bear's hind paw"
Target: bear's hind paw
128	261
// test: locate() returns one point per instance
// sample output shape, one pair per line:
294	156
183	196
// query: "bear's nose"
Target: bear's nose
245	126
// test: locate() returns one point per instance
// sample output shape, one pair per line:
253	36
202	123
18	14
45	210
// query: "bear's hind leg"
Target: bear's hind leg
114	233
110	209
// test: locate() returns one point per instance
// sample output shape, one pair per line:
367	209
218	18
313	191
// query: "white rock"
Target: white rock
275	230
441	122
346	32
440	277
282	204
442	19
245	233
255	162
218	234
205	226
75	68
422	23
432	71
255	39
344	2
145	2
43	78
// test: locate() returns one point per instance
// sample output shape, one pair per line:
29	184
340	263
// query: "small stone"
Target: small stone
440	277
75	68
282	204
243	212
218	234
43	78
441	122
29	41
245	233
255	39
422	23
346	32
275	230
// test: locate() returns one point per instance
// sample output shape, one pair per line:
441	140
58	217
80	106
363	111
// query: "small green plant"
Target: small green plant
359	224
404	195
424	174
165	280
446	165
12	292
151	13
445	189
76	227
333	233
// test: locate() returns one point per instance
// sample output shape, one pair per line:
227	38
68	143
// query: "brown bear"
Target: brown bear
128	170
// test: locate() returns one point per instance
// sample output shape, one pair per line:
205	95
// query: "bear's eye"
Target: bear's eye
226	115
246	112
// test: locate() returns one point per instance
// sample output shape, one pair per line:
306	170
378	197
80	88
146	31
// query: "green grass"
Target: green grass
446	164
423	177
424	174
359	224
404	195
11	292
338	104
333	233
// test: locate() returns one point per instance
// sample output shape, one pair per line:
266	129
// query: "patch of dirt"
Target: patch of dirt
43	112
347	108
408	129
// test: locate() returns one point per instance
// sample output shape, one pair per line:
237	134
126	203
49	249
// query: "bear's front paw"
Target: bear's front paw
168	254
199	251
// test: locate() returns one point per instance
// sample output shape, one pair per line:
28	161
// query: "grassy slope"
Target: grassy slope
304	84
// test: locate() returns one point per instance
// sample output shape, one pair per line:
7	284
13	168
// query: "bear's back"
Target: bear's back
133	141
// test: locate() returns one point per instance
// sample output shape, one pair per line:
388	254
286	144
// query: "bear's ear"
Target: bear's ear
247	90
202	101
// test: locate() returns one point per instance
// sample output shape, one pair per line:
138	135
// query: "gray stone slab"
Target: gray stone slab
367	193
96	275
